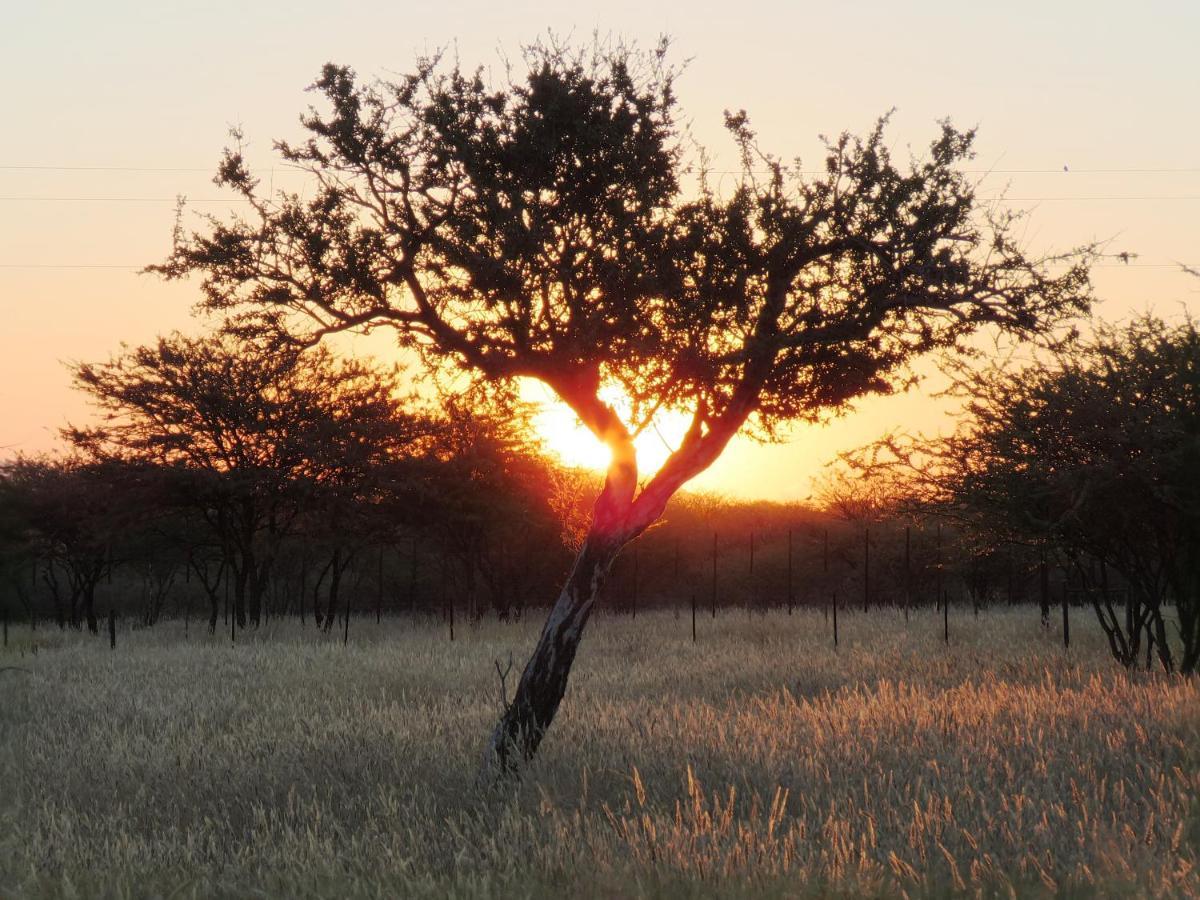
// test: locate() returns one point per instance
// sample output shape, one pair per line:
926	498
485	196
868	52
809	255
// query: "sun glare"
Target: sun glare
563	435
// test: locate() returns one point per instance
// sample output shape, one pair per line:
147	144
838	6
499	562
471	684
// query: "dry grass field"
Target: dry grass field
756	762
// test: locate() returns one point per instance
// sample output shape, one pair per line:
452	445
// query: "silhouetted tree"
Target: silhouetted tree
539	228
17	552
250	439
73	512
1091	454
155	545
489	475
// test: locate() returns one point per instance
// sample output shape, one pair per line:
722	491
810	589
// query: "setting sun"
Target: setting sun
562	434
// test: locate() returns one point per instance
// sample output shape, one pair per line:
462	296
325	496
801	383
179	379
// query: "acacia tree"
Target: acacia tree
539	227
1090	454
73	511
251	438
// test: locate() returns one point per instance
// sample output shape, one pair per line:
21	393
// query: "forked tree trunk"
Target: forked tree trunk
620	515
544	681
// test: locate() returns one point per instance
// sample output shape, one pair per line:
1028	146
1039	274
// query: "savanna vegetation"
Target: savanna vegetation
539	225
261	613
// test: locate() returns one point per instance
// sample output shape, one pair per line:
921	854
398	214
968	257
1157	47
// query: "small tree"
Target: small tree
539	228
73	511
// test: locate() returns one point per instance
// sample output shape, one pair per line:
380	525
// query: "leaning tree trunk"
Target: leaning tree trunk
620	515
544	680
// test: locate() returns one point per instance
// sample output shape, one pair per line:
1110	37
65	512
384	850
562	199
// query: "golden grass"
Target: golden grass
755	763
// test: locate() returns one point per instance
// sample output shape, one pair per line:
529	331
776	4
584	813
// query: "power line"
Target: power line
54	199
143	265
1144	171
1066	199
66	266
295	170
1140	198
103	169
203	169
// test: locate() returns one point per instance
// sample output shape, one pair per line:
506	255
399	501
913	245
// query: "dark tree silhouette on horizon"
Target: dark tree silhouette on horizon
250	439
70	511
1090	455
540	227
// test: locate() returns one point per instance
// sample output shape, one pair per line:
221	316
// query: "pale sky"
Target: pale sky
112	109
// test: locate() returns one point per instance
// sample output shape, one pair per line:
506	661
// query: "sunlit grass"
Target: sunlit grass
755	762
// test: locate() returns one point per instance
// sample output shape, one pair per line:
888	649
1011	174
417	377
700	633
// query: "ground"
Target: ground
757	761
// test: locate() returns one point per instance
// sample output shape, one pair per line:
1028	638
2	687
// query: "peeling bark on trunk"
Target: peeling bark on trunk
544	681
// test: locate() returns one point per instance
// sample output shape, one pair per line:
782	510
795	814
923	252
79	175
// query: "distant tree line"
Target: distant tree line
259	481
228	481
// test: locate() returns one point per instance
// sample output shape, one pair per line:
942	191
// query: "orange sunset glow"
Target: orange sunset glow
562	434
81	217
629	449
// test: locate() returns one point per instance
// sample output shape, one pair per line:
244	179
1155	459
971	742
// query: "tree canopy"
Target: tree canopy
1091	452
251	437
539	228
